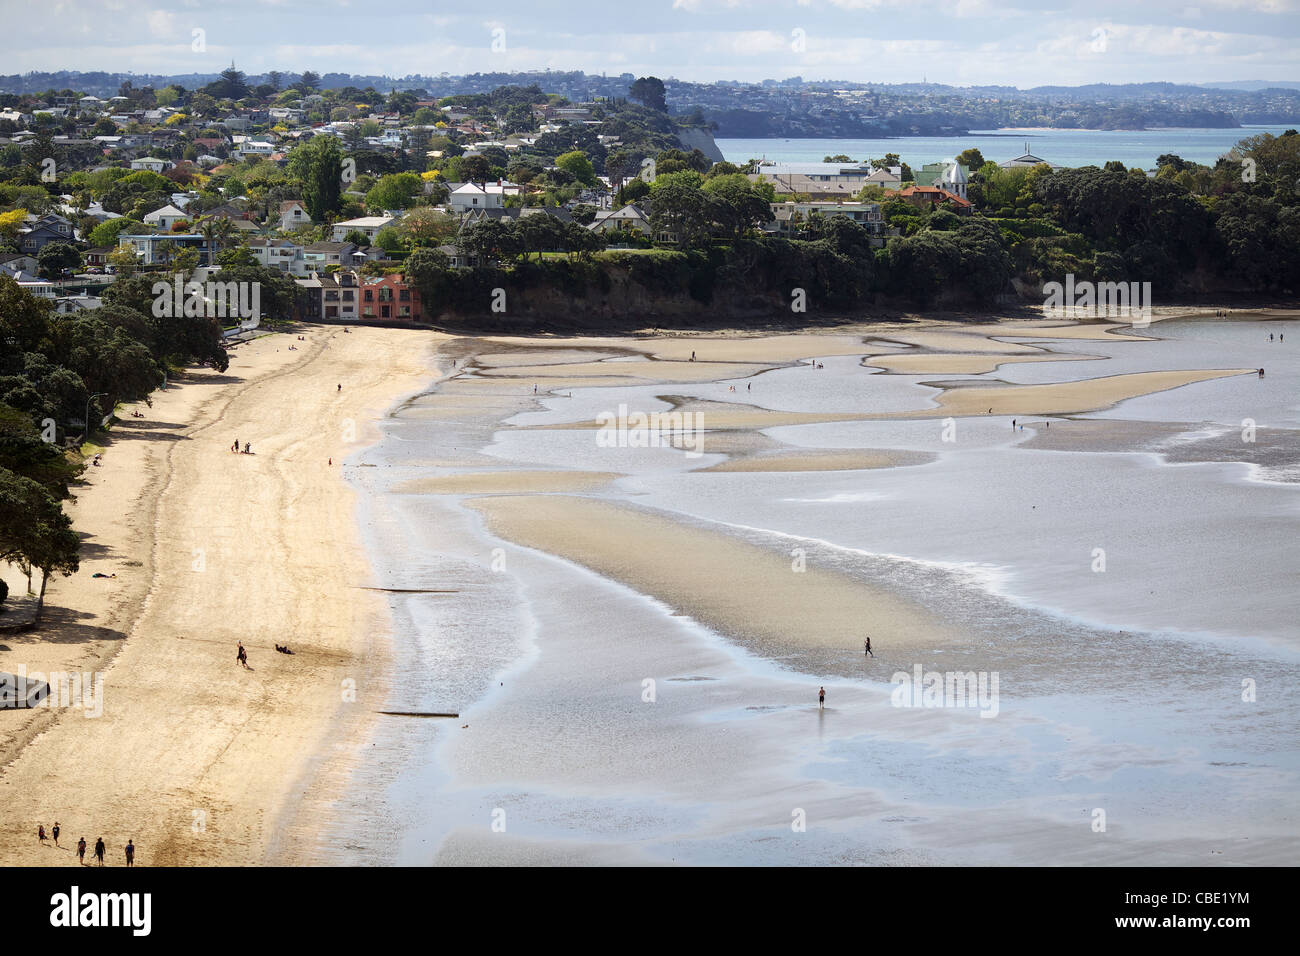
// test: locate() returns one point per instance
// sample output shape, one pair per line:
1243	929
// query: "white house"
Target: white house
469	197
284	255
293	215
165	218
254	147
368	226
151	163
629	217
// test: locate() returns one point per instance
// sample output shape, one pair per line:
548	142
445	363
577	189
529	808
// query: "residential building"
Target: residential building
151	163
284	255
928	197
390	298
293	215
787	216
319	255
368	226
165	218
147	250
39	231
629	217
12	263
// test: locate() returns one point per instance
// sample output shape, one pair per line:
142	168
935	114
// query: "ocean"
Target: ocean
1064	147
1161	690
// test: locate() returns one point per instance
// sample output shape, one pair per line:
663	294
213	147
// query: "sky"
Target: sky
959	42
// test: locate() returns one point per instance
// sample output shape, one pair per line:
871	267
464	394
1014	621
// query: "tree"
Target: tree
970	158
425	226
578	165
396	191
319	165
309	81
473	169
55	257
679	208
649	92
34	531
25	452
739	206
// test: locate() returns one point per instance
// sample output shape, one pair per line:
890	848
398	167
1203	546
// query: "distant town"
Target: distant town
353	204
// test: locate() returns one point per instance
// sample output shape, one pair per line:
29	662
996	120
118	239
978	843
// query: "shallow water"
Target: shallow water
1120	689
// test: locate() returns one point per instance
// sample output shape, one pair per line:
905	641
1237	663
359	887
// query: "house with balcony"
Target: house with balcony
318	255
788	217
390	299
283	255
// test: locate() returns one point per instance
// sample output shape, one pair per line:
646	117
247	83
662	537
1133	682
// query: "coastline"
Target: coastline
193	758
286	772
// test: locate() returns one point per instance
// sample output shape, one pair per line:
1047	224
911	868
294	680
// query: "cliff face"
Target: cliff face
701	139
624	303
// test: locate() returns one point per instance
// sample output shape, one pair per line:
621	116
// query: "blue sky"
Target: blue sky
962	42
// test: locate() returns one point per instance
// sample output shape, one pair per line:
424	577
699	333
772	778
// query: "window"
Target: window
370	295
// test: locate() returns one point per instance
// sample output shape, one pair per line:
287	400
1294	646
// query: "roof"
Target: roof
365	222
168	210
934	193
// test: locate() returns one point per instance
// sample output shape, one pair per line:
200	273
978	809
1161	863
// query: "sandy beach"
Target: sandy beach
193	757
511	569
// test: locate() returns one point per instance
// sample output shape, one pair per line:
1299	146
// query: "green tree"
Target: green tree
55	257
318	164
396	191
577	165
649	91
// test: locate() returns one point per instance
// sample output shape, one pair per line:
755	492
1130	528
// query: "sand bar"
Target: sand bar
745	591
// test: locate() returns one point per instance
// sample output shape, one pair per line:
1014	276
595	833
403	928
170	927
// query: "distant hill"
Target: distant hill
1253	86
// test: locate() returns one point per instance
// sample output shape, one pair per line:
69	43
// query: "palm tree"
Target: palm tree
210	231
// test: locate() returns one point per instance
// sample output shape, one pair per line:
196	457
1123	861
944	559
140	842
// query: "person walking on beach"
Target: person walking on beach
242	656
130	853
55	832
99	850
81	851
866	645
40	833
340	386
821	698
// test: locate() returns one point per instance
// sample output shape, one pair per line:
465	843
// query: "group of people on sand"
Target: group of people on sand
248	448
99	850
